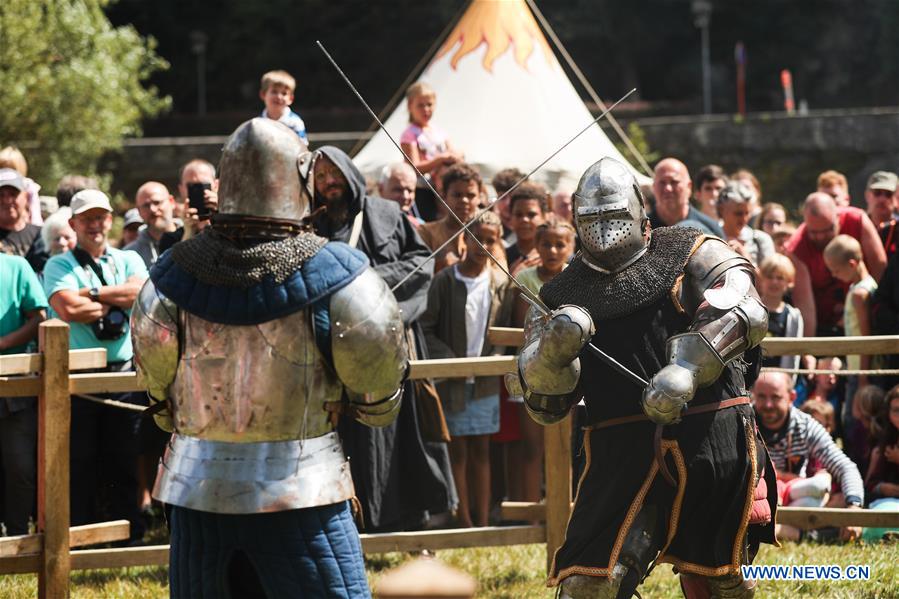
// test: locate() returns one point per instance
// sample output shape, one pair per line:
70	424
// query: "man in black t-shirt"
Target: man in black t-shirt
18	237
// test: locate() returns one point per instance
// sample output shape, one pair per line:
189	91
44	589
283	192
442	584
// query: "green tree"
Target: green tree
71	84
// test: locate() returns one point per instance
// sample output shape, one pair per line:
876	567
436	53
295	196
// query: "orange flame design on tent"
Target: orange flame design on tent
499	23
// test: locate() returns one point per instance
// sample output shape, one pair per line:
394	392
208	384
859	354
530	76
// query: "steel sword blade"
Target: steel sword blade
530	297
517	183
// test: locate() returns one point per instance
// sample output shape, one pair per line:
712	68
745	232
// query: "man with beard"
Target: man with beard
822	221
799	445
672	469
399	477
253	334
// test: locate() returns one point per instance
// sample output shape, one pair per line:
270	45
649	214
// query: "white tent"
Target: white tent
503	99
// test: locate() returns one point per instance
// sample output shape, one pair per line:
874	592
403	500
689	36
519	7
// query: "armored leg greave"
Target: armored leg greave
638	550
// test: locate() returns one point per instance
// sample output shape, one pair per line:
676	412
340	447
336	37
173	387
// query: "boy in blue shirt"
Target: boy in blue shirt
277	93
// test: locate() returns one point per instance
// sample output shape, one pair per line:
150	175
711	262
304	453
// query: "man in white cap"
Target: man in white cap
17	235
93	287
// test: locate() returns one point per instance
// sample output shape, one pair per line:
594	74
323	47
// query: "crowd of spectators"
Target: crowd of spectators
833	438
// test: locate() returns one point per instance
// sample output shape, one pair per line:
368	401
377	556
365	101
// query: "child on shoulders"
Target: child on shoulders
426	145
276	91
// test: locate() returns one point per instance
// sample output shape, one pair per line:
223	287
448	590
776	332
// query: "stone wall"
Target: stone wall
786	153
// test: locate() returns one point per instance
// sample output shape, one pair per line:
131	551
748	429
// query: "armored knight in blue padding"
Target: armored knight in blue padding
254	335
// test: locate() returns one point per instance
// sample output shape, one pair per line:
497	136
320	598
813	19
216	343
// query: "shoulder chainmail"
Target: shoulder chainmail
607	296
212	259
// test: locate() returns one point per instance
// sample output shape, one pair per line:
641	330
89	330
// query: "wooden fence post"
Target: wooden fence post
54	419
557	465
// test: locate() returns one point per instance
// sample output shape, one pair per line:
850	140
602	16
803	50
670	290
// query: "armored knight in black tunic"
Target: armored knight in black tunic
676	471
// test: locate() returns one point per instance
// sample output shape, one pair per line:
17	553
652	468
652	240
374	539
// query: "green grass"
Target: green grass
517	572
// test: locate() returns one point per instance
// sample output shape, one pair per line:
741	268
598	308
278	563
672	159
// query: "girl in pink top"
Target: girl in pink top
425	144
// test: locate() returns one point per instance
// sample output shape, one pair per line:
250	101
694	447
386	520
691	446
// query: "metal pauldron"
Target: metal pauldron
367	340
706	269
249	478
154	334
728	317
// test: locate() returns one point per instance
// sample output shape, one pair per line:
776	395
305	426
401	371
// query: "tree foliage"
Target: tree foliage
71	84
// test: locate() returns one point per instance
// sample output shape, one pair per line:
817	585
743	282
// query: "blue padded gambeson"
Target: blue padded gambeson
329	270
313	553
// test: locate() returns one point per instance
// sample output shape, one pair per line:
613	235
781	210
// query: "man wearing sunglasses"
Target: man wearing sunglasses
880	197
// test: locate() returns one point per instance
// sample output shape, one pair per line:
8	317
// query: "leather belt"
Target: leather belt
657	436
709	407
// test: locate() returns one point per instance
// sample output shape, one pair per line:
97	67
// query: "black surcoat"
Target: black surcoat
716	457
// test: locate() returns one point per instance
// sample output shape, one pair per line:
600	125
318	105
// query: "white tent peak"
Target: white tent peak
503	99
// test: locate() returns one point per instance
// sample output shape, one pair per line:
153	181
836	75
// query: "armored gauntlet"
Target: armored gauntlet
548	365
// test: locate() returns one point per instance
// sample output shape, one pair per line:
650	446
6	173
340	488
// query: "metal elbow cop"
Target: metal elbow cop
728	320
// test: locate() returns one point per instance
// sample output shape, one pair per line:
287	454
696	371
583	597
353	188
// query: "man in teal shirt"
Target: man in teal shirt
78	295
93	287
22	308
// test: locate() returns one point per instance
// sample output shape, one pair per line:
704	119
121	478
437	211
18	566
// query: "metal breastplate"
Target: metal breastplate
247	384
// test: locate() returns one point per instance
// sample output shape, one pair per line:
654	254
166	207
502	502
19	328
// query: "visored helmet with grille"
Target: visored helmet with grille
609	216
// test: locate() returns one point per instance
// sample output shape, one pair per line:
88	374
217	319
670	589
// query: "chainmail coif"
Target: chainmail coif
214	260
607	296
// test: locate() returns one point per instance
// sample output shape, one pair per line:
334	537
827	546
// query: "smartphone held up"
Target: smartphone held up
196	196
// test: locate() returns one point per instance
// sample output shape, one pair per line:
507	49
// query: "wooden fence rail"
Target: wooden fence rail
52	376
773	346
